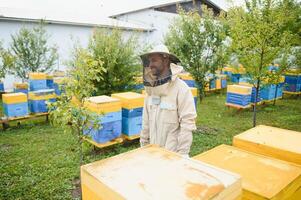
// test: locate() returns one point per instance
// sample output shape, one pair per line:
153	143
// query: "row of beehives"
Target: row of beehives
291	81
264	163
120	114
32	98
217	82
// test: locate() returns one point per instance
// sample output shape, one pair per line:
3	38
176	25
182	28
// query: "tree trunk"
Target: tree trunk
255	104
275	97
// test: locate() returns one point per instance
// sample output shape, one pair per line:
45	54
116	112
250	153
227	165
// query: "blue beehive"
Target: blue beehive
268	92
292	83
38	100
15	105
280	90
239	95
37	81
132	107
49	82
1	87
109	110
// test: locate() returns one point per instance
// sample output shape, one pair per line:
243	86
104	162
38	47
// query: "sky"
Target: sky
95	7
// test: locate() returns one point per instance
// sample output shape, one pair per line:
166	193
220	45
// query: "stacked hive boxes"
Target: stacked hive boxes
37	81
152	172
21	87
262	177
109	110
188	79
38	100
15	105
49	82
132	107
292	83
244	81
238	96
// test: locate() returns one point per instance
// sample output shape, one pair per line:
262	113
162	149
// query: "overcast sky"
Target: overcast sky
99	7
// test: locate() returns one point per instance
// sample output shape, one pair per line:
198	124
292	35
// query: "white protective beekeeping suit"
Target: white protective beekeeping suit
169	112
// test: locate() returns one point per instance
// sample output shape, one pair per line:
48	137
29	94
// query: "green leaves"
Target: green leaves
31	52
119	61
199	42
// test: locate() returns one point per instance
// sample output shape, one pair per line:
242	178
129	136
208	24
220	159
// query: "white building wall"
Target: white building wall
160	21
64	36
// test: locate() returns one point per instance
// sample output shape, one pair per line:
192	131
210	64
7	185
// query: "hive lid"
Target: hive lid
152	172
102	99
128	95
273	137
263	176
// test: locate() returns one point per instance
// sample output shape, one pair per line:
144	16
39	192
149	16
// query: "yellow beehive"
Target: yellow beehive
37	76
13	98
262	177
21	85
194	91
130	100
49	77
218	83
38	96
152	172
239	89
103	104
270	141
186	76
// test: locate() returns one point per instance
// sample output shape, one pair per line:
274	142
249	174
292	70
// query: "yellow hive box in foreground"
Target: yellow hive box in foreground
270	141
130	100
239	89
37	76
13	98
152	172
103	104
262	177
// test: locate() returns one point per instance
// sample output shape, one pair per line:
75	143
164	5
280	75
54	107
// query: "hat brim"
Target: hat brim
173	59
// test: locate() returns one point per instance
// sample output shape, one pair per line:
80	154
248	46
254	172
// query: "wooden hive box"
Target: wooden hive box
15	104
103	104
262	177
152	172
270	141
130	100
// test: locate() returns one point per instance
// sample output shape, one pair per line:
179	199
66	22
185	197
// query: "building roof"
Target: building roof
67	18
157	4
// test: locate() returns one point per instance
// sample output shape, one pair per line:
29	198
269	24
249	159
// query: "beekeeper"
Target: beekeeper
169	112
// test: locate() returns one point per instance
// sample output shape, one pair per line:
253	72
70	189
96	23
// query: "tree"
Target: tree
119	59
69	110
32	52
6	61
259	36
199	42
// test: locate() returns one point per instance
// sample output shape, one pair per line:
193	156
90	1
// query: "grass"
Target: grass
38	161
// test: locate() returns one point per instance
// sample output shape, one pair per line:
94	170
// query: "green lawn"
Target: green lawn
38	161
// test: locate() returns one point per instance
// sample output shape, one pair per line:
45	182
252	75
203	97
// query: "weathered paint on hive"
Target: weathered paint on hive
154	173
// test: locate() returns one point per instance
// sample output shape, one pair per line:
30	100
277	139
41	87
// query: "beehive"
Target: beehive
239	95
262	177
49	82
58	85
194	92
132	107
270	141
292	82
155	173
253	93
268	92
21	87
15	105
38	100
1	87
188	79
218	83
109	110
37	81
